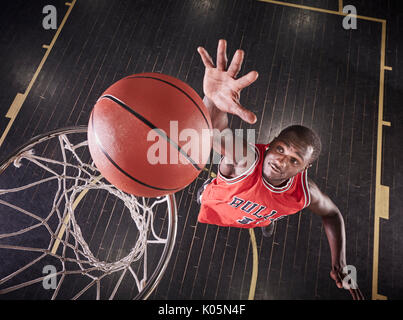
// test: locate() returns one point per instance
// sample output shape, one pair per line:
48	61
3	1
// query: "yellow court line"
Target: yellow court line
255	271
286	4
66	221
381	191
386	123
20	97
211	173
341	6
67	217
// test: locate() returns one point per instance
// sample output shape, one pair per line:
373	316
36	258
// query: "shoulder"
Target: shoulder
230	170
314	191
320	204
317	196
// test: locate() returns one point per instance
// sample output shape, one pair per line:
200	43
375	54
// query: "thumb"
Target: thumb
245	114
336	277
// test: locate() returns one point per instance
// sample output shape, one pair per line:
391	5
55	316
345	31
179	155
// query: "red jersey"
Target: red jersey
249	200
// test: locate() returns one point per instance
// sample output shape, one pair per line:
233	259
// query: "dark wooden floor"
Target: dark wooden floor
311	72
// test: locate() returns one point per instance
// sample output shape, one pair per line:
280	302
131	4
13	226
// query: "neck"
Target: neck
277	183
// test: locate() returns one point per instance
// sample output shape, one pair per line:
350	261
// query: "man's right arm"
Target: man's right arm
222	92
237	154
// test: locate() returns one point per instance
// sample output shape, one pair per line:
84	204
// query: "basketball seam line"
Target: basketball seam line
116	165
184	92
152	126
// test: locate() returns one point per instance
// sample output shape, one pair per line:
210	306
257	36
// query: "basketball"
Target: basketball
149	134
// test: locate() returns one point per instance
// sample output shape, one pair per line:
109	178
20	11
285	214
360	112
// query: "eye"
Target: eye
294	161
280	149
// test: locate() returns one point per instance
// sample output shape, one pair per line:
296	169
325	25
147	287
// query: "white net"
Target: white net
43	249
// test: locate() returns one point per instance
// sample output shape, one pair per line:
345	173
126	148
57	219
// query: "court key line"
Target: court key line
20	97
381	192
255	271
66	219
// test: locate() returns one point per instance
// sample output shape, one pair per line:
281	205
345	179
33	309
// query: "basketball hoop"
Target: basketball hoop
47	220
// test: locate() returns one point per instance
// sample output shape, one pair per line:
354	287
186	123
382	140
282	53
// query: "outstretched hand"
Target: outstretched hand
220	84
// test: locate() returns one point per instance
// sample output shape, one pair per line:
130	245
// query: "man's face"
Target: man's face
285	158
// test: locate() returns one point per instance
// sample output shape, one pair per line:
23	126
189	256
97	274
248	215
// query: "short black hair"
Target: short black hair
305	137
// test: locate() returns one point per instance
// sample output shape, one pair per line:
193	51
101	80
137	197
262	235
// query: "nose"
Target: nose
280	162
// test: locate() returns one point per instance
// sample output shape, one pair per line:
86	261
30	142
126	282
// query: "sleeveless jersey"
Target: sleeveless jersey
249	200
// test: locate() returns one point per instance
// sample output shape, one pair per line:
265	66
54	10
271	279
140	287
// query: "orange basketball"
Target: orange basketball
149	134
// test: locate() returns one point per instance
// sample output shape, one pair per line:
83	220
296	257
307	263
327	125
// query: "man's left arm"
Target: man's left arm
333	223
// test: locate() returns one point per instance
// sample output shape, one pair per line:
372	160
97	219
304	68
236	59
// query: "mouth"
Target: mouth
274	168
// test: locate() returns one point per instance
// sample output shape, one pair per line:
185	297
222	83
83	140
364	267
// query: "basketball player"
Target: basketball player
267	181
